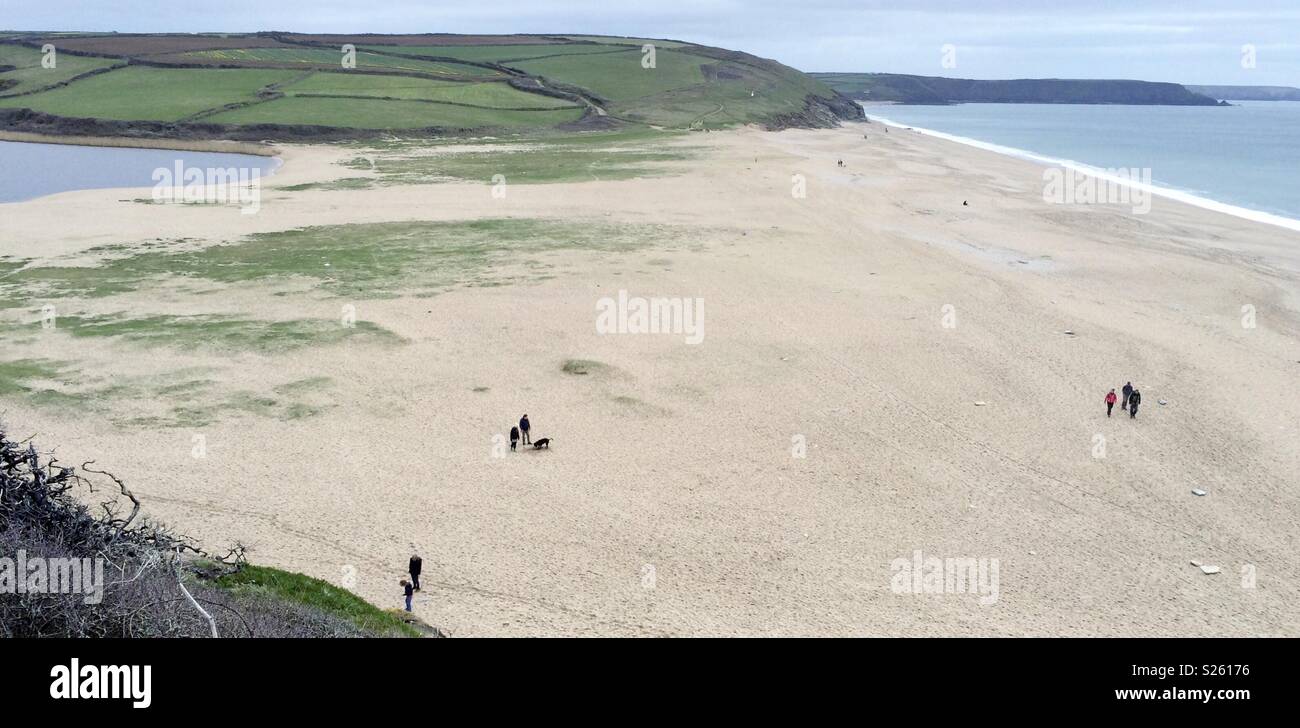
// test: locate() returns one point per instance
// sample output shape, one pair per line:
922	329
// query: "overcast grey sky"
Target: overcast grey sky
1188	41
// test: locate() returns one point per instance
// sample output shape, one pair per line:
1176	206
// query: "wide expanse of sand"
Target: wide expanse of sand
862	322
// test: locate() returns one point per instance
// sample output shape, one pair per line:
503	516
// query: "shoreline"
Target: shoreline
1169	193
216	146
275	155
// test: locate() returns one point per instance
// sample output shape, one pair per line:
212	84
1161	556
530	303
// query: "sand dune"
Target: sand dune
672	502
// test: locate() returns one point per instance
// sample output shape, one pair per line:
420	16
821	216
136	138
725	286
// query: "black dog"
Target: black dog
545	442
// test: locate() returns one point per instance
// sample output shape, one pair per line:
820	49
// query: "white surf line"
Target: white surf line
1168	193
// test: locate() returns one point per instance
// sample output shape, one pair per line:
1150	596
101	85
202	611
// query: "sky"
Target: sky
1250	42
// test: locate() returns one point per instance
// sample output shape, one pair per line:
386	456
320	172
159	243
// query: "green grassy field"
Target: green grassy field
496	95
29	75
502	53
620	76
616	40
689	86
382	114
333	58
140	93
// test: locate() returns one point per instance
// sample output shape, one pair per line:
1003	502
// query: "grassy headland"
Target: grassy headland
295	86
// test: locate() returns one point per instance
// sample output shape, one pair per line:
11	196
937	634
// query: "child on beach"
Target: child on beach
514	438
1110	402
406	587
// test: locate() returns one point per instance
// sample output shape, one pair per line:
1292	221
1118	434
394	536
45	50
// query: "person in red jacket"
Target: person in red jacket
1110	402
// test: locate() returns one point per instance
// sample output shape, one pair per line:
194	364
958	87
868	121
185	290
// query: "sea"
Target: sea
1243	160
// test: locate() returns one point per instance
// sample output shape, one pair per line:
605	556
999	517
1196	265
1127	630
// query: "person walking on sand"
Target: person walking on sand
523	429
1110	402
514	438
414	570
1133	401
1128	389
406	587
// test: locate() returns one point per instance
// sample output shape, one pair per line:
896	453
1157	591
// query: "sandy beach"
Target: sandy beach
765	480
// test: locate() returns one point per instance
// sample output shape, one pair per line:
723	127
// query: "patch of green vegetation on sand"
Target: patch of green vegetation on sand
201	411
54	384
321	595
640	406
345	183
187	397
9	297
585	157
584	367
300	386
224	332
370	260
16	377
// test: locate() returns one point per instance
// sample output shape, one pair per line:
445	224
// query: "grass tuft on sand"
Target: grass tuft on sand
587	157
584	367
224	332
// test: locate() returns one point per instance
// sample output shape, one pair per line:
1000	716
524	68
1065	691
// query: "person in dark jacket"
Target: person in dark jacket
1128	389
414	570
1110	402
406	587
514	438
523	429
1133	401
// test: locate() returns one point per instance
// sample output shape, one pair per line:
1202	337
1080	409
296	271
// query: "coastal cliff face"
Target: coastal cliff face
819	113
1249	93
909	89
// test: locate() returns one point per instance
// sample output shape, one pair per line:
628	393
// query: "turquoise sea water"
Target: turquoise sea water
1246	156
34	170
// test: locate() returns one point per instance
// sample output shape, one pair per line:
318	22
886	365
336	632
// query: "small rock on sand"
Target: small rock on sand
1207	569
1197	491
980	403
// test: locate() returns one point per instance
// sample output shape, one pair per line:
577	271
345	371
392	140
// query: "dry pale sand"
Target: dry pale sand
671	502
